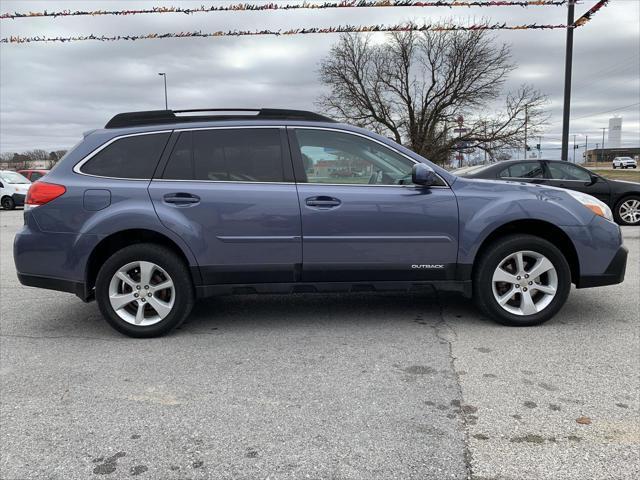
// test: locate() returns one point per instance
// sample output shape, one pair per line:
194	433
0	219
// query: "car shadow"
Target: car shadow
302	310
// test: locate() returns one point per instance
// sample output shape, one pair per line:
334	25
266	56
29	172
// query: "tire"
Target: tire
535	249
163	309
627	207
8	203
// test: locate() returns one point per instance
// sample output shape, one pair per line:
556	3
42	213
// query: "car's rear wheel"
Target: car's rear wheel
8	203
627	211
521	280
144	290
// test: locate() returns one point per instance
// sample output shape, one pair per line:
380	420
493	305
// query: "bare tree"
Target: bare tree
31	158
54	157
415	86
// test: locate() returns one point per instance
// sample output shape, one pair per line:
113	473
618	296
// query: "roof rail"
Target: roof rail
159	117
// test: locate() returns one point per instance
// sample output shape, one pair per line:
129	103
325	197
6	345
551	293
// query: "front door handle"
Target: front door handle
181	198
322	202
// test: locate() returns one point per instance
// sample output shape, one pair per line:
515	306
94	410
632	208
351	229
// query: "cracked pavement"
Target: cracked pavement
360	386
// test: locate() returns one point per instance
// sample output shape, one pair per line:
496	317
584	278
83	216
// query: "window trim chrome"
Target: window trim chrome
78	166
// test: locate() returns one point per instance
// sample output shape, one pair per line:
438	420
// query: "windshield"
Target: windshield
13	177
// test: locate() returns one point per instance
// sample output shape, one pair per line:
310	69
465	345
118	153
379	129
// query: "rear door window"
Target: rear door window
132	157
523	170
229	155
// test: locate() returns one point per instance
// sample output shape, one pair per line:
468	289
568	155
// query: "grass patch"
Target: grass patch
630	175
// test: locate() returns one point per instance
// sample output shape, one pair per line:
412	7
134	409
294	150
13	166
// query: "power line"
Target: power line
624	107
595	78
607	111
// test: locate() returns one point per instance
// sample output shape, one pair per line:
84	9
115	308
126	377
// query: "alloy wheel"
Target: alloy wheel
524	283
629	211
141	293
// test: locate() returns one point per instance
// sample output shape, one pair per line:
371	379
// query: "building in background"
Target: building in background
615	132
608	154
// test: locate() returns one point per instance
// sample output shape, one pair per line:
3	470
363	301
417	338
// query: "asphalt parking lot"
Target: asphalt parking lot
359	386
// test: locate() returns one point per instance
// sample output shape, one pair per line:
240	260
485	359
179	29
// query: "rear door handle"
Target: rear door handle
322	202
181	198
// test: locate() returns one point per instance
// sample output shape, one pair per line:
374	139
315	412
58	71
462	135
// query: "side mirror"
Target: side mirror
424	175
594	179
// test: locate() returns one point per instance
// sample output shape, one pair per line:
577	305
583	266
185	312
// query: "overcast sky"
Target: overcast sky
51	93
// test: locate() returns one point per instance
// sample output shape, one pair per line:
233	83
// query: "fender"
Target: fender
482	210
127	217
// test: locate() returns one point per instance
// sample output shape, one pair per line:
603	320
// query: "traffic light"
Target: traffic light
537	146
528	148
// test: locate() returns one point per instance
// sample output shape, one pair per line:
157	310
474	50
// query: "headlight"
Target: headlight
593	204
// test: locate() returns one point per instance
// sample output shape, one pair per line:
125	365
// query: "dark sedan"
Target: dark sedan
622	197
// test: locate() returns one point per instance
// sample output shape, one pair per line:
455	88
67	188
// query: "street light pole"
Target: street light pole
602	150
574	148
166	104
568	61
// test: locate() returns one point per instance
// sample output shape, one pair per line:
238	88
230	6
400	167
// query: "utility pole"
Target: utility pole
526	119
568	61
166	104
602	151
574	148
586	147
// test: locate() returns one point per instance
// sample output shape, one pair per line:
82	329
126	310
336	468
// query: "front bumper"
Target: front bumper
614	273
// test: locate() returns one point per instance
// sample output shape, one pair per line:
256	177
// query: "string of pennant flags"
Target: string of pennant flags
294	31
404	27
290	6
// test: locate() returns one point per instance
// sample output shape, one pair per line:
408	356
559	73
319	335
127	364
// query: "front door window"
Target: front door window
341	158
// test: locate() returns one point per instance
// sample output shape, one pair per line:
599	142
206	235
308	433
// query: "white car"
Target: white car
624	162
13	189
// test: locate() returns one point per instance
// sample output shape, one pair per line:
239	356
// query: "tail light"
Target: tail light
42	192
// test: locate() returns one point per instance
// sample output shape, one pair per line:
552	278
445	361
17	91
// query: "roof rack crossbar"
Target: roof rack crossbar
159	117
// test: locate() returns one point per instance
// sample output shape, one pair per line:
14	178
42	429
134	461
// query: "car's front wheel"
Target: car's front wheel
627	211
144	290
521	280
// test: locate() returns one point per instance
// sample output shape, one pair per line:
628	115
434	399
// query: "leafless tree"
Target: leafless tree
31	158
414	87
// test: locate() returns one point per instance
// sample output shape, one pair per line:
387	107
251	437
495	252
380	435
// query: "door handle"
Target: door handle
181	198
322	202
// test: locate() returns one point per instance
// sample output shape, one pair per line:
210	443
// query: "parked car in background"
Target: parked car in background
158	209
624	162
13	189
621	196
33	174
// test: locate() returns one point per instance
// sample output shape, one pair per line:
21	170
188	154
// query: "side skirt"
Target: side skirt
203	291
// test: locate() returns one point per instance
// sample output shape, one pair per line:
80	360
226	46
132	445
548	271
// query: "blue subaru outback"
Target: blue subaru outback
162	207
